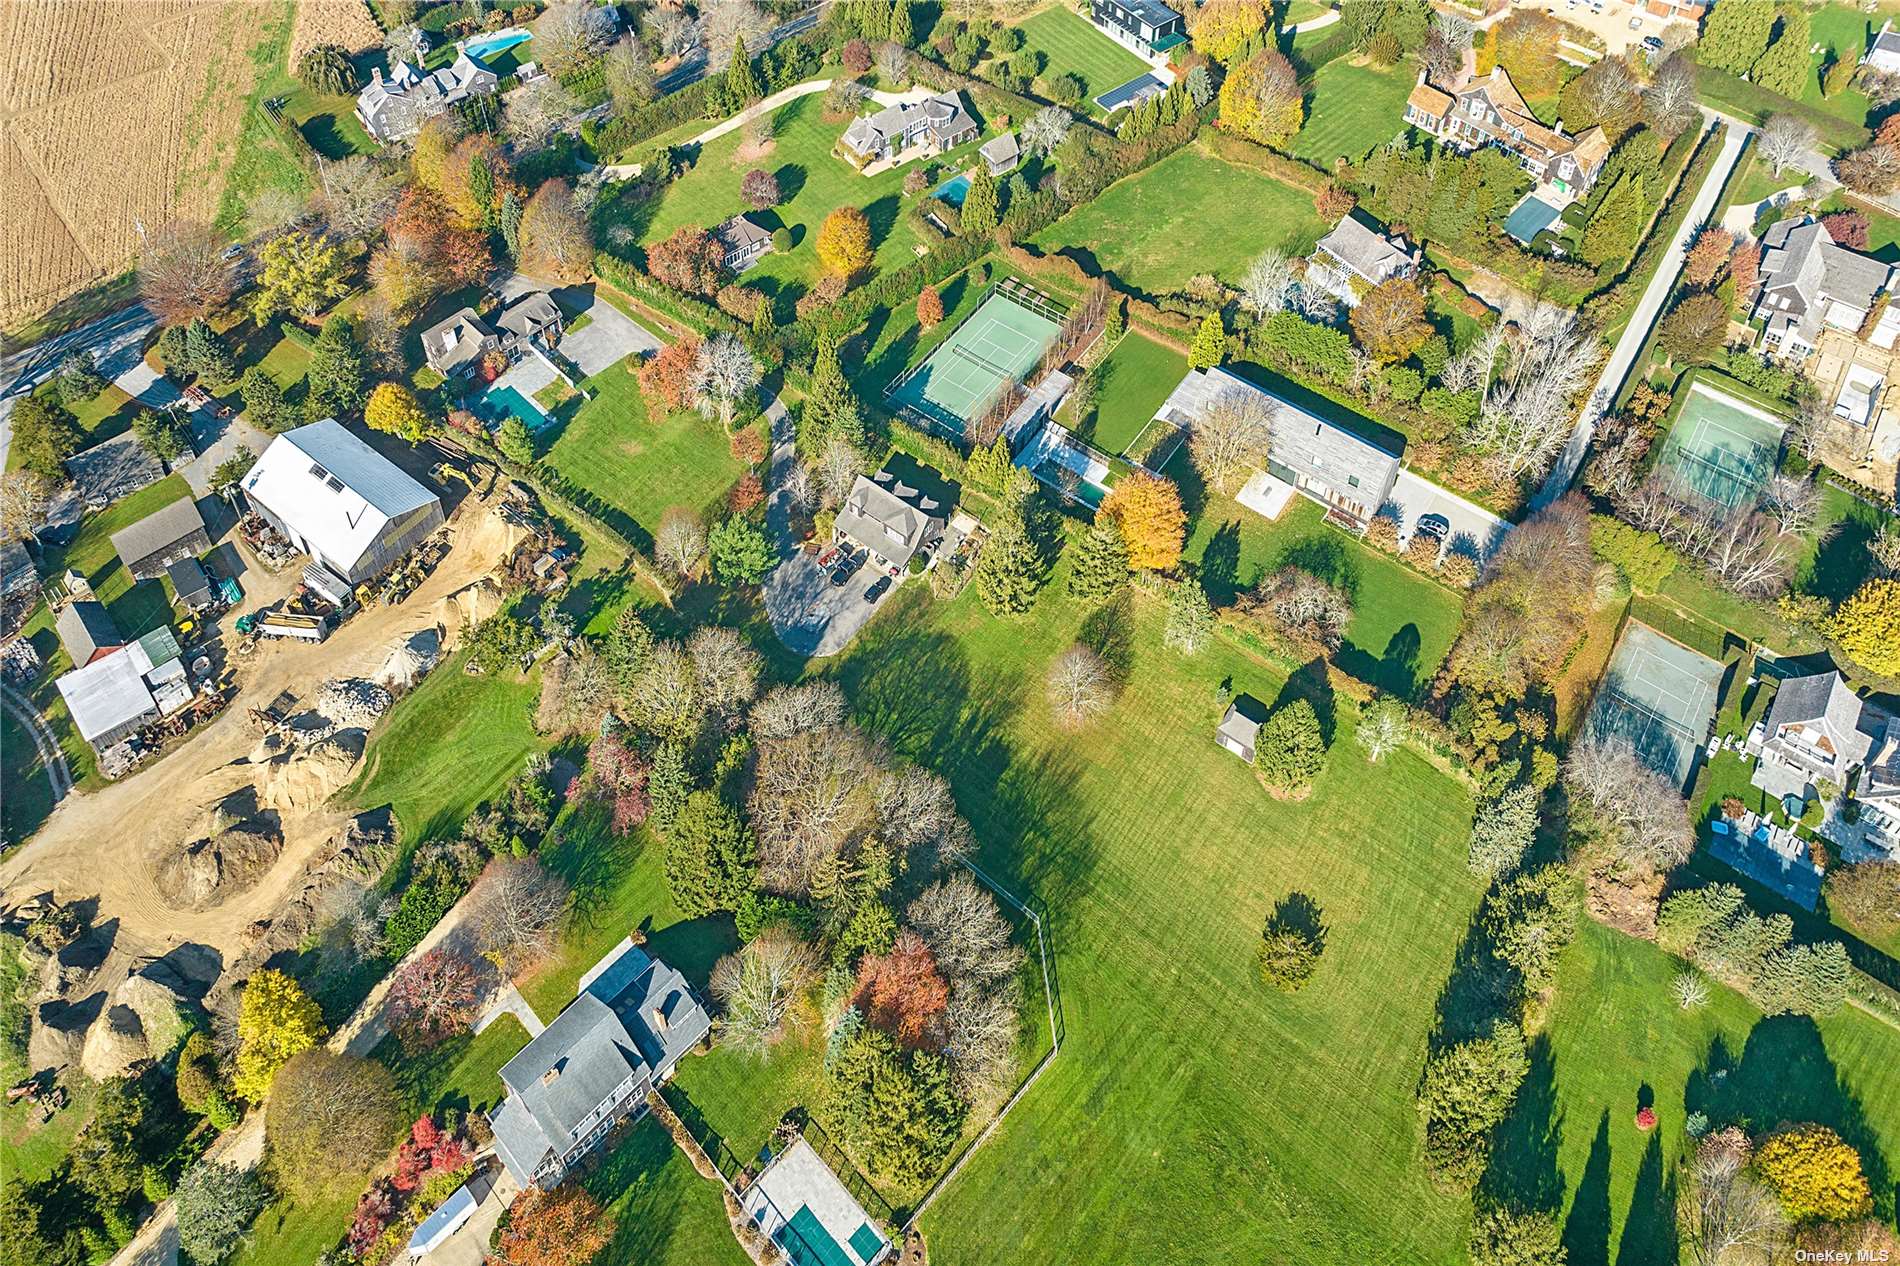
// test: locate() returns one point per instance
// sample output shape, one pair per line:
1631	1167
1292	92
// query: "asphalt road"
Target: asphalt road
113	339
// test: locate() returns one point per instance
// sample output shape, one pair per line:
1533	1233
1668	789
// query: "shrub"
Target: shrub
1816	1174
1291	749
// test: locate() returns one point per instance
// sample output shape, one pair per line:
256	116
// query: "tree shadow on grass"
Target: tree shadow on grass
1299	913
1587	1229
1522	1170
1395	672
1842	561
592	859
630	1181
1220	564
1649	1232
791	181
1109	631
1312	684
882	215
694	945
1326	556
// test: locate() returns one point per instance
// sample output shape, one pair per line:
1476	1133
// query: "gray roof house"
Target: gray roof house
116	695
1240	727
161	538
190	583
86	631
633	1020
396	107
1883	52
1820	729
1346	472
889	519
743	242
528	317
1001	153
17	573
936	123
340	501
456	344
1355	257
1809	281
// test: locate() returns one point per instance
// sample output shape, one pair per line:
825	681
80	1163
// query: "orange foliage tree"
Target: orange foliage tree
901	992
1147	508
563	1227
929	307
666	377
844	242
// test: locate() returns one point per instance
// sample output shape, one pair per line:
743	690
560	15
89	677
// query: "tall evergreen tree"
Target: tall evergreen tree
831	410
509	221
980	205
1734	37
1101	561
901	31
264	405
209	356
1210	344
1013	565
742	81
1617	224
335	378
1783	66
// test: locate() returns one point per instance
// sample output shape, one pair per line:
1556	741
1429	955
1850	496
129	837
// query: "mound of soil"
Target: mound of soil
211	871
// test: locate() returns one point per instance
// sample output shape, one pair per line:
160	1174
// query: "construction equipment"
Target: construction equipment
443	472
312	628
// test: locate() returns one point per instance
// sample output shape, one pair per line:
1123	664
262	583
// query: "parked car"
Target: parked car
1435	526
878	588
847	567
1653	43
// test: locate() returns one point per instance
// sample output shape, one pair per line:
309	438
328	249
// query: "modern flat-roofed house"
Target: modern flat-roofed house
631	1022
394	108
1147	26
1355	257
889	519
86	631
1809	282
340	501
161	538
799	1204
1883	52
1346	472
457	343
1488	110
935	124
743	242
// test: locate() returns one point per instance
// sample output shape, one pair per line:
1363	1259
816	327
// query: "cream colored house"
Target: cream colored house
1861	379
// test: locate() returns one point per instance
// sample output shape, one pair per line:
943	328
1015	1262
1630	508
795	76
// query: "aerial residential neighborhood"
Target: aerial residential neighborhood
1118	631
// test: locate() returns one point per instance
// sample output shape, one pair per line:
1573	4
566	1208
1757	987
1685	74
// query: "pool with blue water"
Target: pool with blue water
485	48
953	191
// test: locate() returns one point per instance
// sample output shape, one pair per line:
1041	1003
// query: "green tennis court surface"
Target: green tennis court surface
1722	447
1660	697
999	343
807	1243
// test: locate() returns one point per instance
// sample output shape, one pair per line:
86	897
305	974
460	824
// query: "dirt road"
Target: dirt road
104	843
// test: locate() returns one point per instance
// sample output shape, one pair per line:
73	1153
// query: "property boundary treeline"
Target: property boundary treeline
1754	104
1648	256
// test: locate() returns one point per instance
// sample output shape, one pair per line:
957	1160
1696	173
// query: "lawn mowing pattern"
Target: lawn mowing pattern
1189	213
1353	109
612	447
813	182
1071	46
1000	343
1135	378
664	1213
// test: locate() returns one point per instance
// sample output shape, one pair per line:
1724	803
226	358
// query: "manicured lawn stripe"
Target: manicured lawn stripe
1353	109
1137	376
1072	46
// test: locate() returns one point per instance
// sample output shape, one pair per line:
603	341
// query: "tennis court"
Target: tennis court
1000	343
1724	448
1660	696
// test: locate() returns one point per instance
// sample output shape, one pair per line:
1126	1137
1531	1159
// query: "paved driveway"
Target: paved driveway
813	616
609	338
1415	496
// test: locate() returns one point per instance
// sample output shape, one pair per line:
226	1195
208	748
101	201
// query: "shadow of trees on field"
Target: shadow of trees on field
1587	1229
1296	912
1109	631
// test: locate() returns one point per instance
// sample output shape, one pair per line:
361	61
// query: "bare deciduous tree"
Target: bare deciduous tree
675	30
1079	687
1301	605
24	496
519	907
1747	552
1269	284
1046	129
979	1028
183	272
571	34
834	471
1472	368
724	377
576	690
532	113
664	695
726	667
1446	45
1730	1215
915	809
1638	810
1528	413
1383	729
760	987
679	540
1793	502
789	710
629	75
272	209
357	194
1229	440
1871	169
1784	140
967	935
1884	548
893	65
813	795
726	21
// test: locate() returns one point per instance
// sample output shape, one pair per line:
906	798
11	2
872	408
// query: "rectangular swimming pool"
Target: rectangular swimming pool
498	403
953	191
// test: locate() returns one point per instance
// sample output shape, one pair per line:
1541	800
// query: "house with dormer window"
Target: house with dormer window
1487	109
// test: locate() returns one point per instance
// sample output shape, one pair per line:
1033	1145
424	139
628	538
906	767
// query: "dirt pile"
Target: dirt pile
309	771
353	701
213	870
144	1019
411	661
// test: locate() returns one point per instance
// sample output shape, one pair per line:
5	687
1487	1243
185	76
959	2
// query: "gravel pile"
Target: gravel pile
353	700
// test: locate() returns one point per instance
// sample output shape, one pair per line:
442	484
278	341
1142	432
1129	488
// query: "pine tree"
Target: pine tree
762	324
1114	324
1290	749
1733	38
335	378
901	31
1783	67
510	222
980	210
209	357
668	785
264	405
1012	567
831	410
1617	224
990	467
1210	344
1190	617
1101	561
742	82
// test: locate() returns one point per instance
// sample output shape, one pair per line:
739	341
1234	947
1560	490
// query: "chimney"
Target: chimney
659	1020
376	76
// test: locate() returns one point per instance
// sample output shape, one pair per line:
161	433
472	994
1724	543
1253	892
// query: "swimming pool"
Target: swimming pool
501	42
952	191
498	403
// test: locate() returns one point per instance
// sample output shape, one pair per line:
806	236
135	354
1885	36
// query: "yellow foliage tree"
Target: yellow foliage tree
429	160
1220	28
1147	508
276	1020
394	409
844	242
1868	626
301	272
1260	99
1817	1175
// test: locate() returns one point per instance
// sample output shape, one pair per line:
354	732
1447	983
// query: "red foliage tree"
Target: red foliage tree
619	777
1849	228
857	56
1707	256
373	1212
748	446
929	307
746	495
759	188
690	260
1888	133
432	998
563	1227
901	992
666	377
1744	266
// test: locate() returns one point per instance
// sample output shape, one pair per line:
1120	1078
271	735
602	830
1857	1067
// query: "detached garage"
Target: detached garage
160	539
340	501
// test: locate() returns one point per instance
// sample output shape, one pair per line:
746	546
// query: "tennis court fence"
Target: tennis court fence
1037	301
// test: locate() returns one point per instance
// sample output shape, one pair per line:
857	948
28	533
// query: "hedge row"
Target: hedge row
1244	153
1603	304
682	307
1755	104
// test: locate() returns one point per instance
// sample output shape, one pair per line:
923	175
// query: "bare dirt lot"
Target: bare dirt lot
113	114
113	844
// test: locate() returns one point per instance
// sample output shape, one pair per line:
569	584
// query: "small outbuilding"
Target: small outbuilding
161	538
743	242
87	632
17	573
190	583
126	688
448	1218
1001	153
1240	728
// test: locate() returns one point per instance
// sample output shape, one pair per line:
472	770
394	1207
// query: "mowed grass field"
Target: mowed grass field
813	183
1352	110
1071	46
1189	213
1135	378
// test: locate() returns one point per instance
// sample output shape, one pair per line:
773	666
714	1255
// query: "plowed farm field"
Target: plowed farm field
115	115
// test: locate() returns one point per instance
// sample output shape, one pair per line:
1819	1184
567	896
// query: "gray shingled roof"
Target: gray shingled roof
1826	703
1803	270
890	517
158	530
83	628
740	233
1365	250
530	314
943	112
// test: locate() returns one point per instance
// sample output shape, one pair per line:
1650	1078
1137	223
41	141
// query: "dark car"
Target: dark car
1436	526
846	567
1652	43
878	588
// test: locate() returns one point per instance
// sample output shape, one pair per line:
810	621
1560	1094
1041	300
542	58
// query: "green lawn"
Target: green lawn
29	792
1352	110
265	157
1137	376
1070	45
1189	213
107	414
813	183
664	1213
612	447
1842	31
